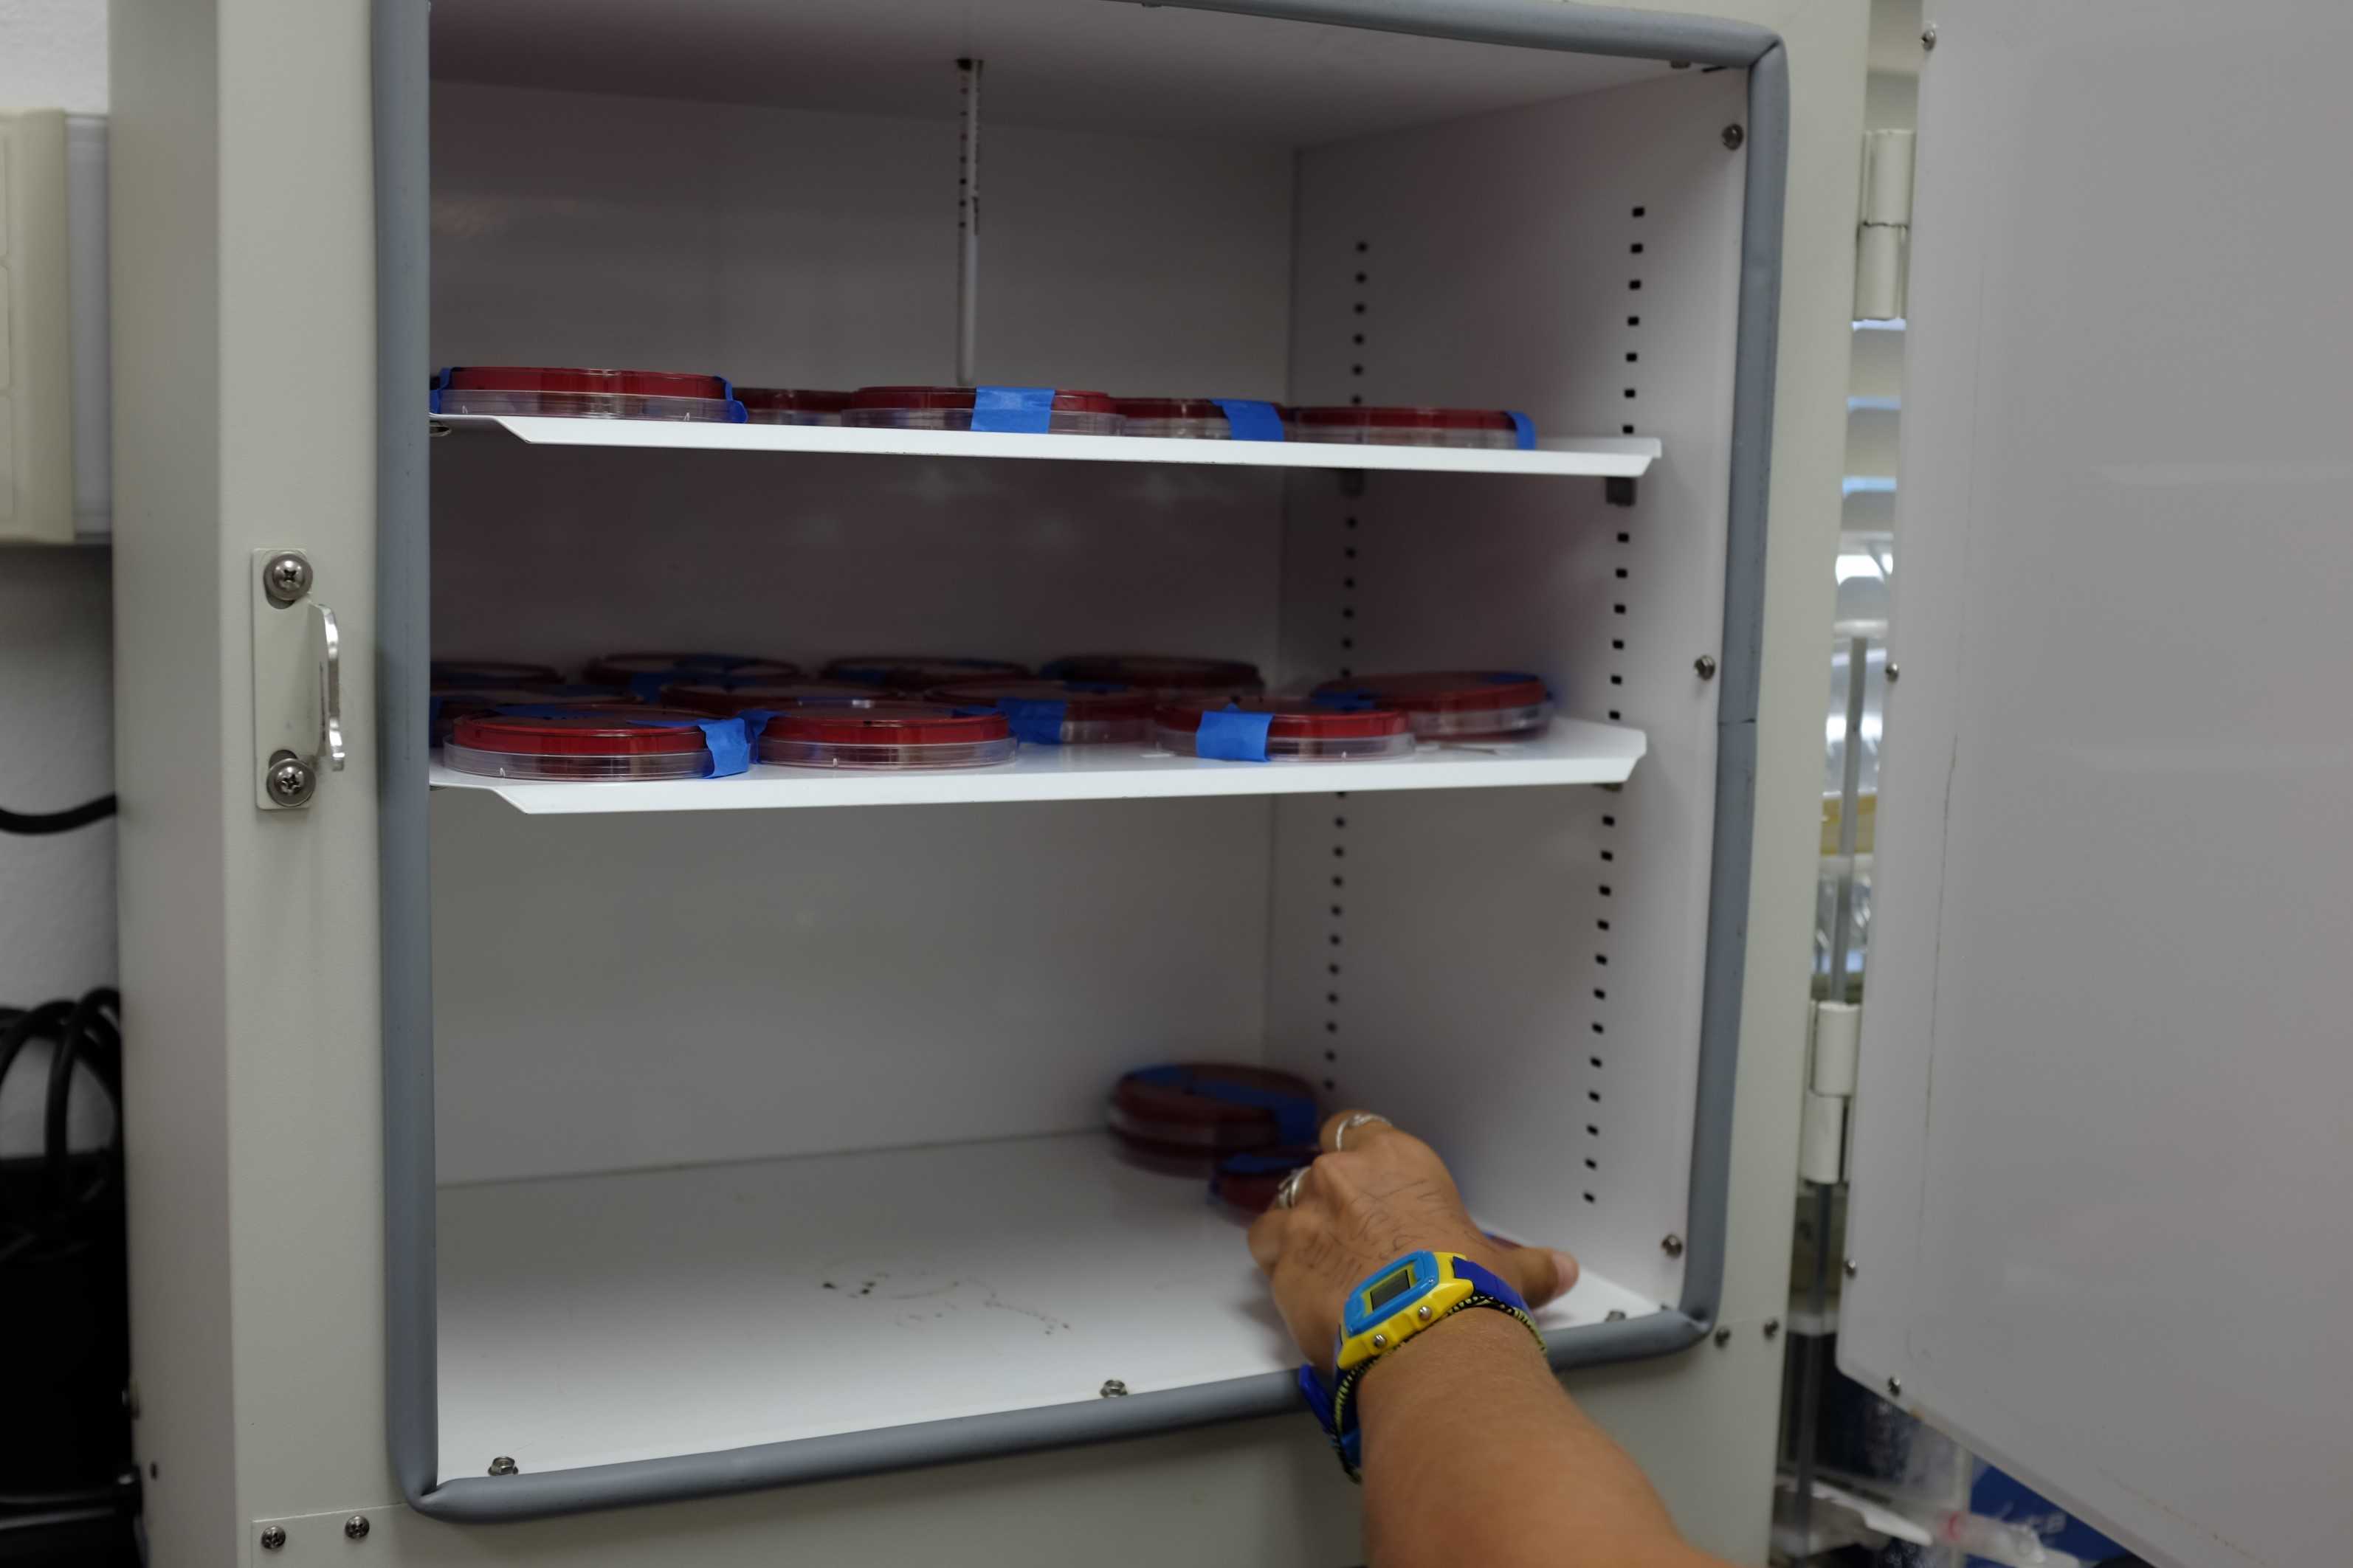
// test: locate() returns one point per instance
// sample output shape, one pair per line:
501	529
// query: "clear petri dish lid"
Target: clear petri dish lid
734	697
1212	1108
1453	702
790	400
1078	698
1158	672
609	729
492	672
888	724
451	703
1292	718
567	378
1203	408
920	672
636	670
1405	418
910	399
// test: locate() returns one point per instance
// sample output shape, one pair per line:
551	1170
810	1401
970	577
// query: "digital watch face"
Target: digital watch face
1385	1291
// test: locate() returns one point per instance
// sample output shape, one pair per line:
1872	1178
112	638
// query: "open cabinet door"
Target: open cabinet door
2102	1221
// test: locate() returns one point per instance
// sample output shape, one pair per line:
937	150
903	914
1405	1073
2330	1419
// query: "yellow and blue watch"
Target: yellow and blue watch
1385	1309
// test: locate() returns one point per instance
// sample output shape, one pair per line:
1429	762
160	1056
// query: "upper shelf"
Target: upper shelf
1599	457
1573	751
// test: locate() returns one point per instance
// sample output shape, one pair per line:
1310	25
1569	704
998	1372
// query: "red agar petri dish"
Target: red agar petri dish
1453	704
915	673
711	697
1211	1109
647	672
1198	418
583	393
1158	673
887	735
1250	1179
791	404
1061	712
950	408
492	672
1297	729
610	742
451	703
1394	427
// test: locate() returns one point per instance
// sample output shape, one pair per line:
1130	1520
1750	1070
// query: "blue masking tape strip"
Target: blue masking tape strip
1232	736
1294	1115
736	413
755	723
1352	699
731	751
1035	719
1524	430
1251	421
1013	410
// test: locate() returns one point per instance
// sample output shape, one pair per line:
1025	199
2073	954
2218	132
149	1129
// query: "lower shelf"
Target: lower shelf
1572	751
591	1319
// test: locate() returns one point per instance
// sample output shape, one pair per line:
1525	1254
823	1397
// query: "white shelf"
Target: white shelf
596	1319
1573	751
1601	457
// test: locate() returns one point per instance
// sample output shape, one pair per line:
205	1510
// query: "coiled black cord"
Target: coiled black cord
32	822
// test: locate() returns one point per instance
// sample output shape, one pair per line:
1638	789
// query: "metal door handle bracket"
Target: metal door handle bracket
298	683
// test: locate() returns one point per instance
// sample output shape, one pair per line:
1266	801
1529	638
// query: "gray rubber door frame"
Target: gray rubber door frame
402	115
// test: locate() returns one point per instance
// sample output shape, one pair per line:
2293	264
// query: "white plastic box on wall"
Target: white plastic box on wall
53	340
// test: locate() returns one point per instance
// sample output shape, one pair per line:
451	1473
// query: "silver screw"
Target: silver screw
273	1537
1772	1328
1895	1386
1614	1315
356	1527
285	577
1853	1268
1673	1245
1928	36
1723	1336
1894	670
289	780
1113	1388
1423	1313
1380	1341
1706	665
503	1465
1732	137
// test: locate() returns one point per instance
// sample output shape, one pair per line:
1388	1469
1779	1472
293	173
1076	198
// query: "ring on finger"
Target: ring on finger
1355	1120
1287	1195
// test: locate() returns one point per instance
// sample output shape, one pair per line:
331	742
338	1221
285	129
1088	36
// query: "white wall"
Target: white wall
57	743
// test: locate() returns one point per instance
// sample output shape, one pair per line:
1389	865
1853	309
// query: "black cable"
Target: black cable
82	815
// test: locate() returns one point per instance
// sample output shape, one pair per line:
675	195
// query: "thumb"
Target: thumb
1538	1273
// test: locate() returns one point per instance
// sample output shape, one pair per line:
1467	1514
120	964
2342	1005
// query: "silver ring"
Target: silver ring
1358	1118
1287	1194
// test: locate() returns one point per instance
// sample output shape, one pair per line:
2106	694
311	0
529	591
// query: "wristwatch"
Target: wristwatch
1387	1308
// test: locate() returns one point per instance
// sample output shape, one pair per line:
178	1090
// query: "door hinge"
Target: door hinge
1882	246
1825	1134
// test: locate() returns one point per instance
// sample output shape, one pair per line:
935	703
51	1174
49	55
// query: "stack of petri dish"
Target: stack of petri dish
609	743
1488	427
1061	712
569	393
1280	730
886	736
1452	704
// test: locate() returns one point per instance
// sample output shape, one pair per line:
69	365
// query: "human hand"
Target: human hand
1382	1195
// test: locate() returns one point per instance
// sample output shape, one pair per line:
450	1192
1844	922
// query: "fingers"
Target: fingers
1538	1273
1357	1136
1266	1235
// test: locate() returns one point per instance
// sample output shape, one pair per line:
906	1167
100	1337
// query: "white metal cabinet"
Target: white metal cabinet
272	1158
2101	1159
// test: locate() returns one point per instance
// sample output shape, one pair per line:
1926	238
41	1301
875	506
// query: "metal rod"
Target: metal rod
1858	665
968	220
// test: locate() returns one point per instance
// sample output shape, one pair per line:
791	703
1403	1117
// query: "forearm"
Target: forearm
1474	1454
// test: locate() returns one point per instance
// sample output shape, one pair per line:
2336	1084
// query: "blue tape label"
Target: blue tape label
1035	719
1524	430
1233	736
1013	410
1251	421
1294	1115
731	749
